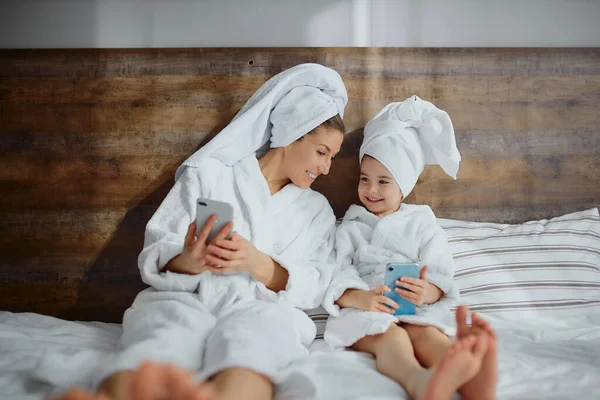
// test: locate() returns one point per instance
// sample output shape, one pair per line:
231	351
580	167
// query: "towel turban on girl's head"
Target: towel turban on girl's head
408	135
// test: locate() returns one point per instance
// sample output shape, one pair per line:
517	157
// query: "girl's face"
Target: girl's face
311	156
377	189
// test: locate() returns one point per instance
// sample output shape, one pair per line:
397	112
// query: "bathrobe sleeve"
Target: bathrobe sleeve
435	252
309	260
345	275
166	230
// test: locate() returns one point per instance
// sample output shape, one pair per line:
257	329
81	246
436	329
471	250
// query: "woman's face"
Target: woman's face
311	156
377	189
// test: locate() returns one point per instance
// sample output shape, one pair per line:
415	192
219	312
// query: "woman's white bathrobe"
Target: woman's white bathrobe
210	322
365	244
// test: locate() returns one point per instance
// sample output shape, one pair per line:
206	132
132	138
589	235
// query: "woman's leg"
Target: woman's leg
242	383
164	327
251	344
151	381
430	343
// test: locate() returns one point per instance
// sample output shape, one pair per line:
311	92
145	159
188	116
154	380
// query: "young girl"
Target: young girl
398	142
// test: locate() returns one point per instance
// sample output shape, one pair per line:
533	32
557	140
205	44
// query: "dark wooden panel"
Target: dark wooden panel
207	91
492	185
362	62
90	140
80	302
152	104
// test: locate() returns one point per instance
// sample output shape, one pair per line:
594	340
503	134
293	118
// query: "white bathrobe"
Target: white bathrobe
211	322
365	244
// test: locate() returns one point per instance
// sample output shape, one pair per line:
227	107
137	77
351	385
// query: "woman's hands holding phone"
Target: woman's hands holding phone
192	260
223	255
237	254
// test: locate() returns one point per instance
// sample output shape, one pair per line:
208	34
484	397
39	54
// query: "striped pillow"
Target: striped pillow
319	317
538	269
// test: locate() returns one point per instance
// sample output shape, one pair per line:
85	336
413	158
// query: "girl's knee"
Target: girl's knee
418	332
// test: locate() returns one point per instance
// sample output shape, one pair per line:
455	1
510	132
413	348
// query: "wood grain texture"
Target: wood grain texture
90	140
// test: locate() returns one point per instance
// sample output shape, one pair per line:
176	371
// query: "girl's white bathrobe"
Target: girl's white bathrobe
365	244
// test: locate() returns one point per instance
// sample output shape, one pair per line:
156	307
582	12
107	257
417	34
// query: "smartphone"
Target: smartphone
394	272
205	208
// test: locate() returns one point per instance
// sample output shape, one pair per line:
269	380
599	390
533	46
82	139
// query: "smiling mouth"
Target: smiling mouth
373	199
311	175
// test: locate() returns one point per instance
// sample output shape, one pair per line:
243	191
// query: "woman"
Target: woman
231	309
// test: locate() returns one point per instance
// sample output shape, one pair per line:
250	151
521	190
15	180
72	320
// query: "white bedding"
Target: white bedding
537	360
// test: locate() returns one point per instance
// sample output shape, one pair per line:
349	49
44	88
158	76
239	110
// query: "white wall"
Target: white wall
213	23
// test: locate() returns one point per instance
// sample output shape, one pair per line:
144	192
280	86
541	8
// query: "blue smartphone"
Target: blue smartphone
393	272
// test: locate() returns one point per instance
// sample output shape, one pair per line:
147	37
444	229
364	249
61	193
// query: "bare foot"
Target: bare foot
460	364
483	385
152	381
80	394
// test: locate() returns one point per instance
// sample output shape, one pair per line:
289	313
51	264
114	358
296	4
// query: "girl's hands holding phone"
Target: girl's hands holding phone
368	300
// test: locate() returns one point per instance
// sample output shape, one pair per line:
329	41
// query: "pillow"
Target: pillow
319	317
539	269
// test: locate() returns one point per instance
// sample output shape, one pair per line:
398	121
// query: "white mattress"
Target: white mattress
536	361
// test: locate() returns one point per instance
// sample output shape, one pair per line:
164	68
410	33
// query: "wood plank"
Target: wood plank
530	182
206	91
363	62
554	175
80	302
87	118
177	146
82	119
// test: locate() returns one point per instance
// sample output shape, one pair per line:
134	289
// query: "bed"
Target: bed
91	140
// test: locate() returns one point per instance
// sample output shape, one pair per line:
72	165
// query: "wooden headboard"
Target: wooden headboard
90	141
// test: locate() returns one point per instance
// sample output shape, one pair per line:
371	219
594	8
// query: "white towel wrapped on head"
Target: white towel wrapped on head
405	136
282	110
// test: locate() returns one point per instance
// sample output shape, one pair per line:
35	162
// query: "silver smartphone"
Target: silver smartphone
205	208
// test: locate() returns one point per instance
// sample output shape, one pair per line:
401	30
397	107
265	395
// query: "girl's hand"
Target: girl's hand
418	291
374	300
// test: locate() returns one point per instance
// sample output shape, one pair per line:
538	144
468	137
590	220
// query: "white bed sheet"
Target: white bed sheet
536	361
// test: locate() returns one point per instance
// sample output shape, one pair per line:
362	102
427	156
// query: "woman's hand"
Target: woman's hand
418	291
368	300
237	254
192	260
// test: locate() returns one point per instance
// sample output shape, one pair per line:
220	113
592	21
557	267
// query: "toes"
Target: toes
205	391
75	394
147	383
479	322
484	325
465	342
480	346
461	321
469	341
179	383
